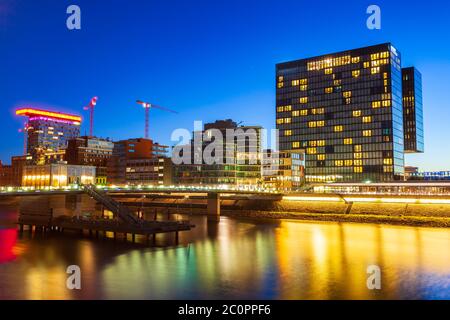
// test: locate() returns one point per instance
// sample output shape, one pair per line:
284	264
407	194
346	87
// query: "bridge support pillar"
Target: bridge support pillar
213	206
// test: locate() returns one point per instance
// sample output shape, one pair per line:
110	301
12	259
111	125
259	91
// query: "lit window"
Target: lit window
295	83
337	82
303	87
303	100
339	163
376	104
280	121
311	150
348	163
357	169
387	161
295	113
355	59
386	103
318	111
366	64
357	155
303	81
321	143
280	109
304	112
375	70
288	132
328	70
280	85
358	148
347	94
287	120
329	90
296	145
356	73
312	124
338	128
357	162
367	119
357	113
321	123
288	108
367	133
321	157
348	141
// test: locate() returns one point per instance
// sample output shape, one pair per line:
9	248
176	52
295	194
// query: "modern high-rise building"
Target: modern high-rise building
412	110
345	110
48	133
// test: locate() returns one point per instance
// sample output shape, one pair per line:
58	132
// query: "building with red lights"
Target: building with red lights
48	133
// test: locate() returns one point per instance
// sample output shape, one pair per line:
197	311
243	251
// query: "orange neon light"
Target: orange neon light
56	115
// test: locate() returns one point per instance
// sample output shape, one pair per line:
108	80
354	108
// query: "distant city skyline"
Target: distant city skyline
205	59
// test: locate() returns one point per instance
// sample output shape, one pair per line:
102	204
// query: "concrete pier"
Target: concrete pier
213	206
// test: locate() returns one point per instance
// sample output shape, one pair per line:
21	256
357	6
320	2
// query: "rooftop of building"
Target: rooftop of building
292	63
48	114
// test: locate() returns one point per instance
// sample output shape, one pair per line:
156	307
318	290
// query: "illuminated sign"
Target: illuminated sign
29	112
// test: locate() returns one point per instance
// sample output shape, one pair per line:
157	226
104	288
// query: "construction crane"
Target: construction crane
91	107
147	106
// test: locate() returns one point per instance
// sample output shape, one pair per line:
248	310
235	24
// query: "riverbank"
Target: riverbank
414	221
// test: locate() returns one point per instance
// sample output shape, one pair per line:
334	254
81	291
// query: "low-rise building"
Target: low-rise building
155	171
283	171
6	175
90	151
57	175
138	162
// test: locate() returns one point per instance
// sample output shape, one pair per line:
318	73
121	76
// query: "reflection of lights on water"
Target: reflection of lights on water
8	239
319	243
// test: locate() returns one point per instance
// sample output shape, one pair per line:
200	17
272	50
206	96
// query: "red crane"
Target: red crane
91	107
147	106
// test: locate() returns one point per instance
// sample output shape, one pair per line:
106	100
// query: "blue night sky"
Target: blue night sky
208	60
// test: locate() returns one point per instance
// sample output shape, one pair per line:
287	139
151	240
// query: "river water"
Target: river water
233	259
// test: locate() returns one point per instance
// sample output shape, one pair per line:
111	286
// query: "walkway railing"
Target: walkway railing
112	205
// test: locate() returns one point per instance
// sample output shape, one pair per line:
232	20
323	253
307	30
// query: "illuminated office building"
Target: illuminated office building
48	133
240	164
345	110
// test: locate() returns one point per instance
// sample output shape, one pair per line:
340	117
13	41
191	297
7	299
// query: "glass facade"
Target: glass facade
345	110
412	110
46	135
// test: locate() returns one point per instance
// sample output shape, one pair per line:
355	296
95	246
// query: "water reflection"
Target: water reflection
235	259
